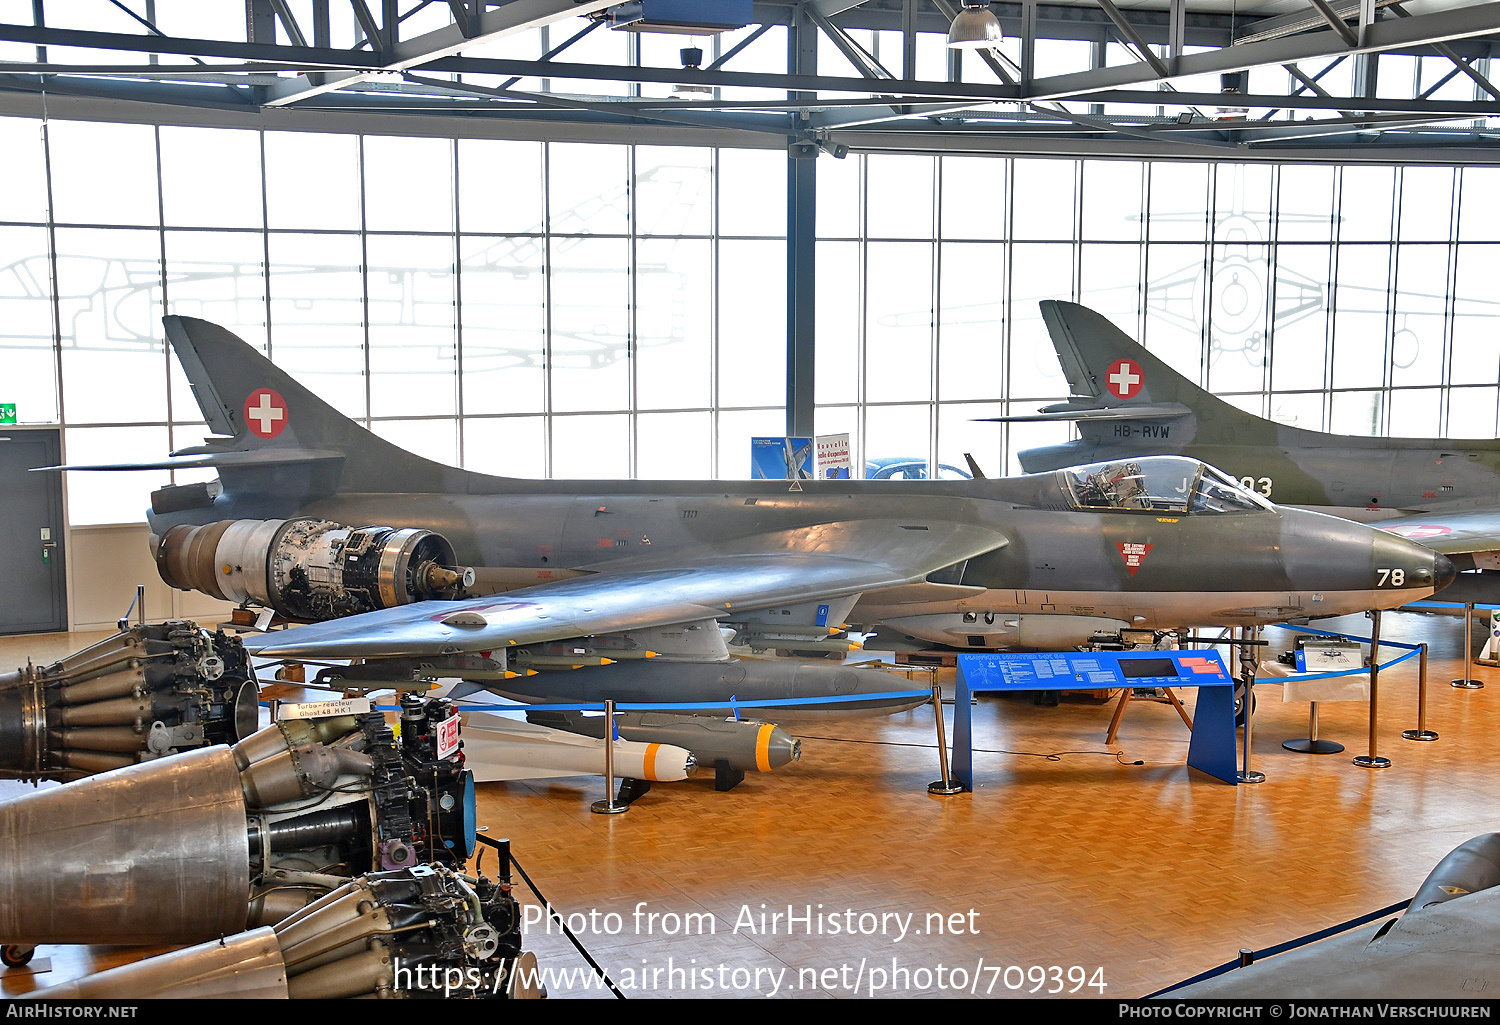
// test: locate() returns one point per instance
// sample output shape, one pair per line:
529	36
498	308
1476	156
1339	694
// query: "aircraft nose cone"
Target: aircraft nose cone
1443	571
1405	565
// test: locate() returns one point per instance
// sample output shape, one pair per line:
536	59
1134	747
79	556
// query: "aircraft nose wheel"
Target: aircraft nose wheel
1239	704
16	955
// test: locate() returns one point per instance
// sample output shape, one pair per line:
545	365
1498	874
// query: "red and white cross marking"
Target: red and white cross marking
1124	378
1418	531
265	412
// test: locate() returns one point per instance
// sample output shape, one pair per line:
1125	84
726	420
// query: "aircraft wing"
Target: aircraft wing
195	460
645	595
1155	412
1462	532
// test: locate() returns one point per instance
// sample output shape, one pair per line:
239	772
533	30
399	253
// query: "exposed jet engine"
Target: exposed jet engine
309	568
417	932
147	691
210	842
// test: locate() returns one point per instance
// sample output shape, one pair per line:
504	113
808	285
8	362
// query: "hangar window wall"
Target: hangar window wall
590	310
516	307
1355	299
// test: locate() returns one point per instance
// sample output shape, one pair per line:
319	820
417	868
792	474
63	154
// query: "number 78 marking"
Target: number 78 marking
1393	577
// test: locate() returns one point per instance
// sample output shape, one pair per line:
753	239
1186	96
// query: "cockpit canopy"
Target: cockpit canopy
1171	484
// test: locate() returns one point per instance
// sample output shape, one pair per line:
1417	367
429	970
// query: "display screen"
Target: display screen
1135	668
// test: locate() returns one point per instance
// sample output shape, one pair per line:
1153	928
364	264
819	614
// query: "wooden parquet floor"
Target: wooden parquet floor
1067	854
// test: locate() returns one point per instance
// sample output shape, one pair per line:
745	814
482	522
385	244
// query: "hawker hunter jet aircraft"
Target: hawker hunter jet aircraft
1442	492
616	570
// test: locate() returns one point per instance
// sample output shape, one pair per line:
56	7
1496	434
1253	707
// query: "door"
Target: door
34	598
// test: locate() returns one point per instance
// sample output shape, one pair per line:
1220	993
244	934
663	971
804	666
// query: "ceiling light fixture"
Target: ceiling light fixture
692	57
975	28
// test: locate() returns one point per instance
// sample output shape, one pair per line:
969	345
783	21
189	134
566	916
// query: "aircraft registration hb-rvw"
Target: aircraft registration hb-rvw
602	571
1127	403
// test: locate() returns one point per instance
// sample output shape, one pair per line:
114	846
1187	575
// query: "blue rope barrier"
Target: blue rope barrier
1446	605
1281	948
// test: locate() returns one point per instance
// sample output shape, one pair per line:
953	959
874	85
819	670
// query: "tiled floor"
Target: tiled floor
1068	854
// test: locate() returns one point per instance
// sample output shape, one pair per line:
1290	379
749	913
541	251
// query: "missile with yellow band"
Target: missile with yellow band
499	748
744	744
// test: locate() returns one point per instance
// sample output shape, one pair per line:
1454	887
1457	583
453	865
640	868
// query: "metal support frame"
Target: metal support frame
1028	46
609	806
1312	744
1448	51
403	55
1373	760
947	786
1246	643
1421	732
1141	47
801	247
1176	32
1338	24
1017	115
1467	681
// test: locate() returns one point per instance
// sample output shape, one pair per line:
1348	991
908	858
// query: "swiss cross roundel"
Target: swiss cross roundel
1124	378
265	413
1418	531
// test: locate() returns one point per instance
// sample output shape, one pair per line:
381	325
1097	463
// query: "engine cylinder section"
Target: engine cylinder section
310	569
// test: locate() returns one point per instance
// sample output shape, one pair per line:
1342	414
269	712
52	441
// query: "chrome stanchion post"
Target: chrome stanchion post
140	605
1468	682
1372	760
945	785
1421	732
1247	674
608	805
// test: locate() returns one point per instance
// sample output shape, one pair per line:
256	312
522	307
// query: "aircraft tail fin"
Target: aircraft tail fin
1109	372
269	422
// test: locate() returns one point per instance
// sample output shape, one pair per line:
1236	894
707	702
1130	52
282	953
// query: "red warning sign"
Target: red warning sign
265	413
1133	553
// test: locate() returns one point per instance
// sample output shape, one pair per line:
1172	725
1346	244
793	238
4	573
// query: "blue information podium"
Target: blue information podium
1211	749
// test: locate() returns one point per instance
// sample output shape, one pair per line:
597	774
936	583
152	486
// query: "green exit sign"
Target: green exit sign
7	412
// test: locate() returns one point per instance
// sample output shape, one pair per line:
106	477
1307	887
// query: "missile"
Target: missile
725	684
746	744
497	748
525	658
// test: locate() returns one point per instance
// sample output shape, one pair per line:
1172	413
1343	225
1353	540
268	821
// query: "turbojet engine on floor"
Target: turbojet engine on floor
309	568
417	932
211	842
147	691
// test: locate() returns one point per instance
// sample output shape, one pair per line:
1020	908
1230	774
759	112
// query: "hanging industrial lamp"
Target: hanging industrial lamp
975	28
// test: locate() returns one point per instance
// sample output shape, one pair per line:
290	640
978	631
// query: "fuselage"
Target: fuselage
1158	567
1306	468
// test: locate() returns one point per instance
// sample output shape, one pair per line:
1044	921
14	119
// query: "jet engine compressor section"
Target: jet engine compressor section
146	692
309	568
